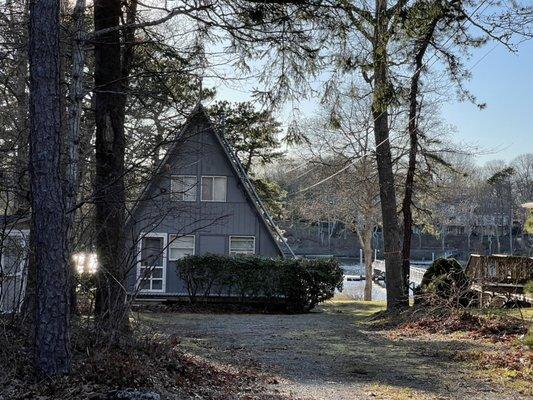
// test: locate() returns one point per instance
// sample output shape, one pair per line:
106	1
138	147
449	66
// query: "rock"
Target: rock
133	394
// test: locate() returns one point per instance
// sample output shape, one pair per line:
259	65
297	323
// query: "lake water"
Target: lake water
355	290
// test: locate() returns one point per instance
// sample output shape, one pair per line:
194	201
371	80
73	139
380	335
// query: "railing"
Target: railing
378	267
415	273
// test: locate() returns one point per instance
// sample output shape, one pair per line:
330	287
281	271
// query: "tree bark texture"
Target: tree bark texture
110	100
367	250
387	191
49	238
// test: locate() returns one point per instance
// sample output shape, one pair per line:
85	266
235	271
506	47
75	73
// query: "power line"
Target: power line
374	120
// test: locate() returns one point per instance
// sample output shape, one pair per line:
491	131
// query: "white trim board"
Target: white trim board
164	258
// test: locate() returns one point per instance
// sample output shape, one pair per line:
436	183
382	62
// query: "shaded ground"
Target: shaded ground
330	354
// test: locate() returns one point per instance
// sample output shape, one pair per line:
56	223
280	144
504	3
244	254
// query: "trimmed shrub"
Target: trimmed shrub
297	284
445	279
528	288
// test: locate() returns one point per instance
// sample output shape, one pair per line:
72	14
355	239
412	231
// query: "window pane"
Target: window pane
242	245
179	253
157	272
157	284
144	272
183	242
181	246
189	188
220	189
183	188
176	188
145	284
152	251
207	188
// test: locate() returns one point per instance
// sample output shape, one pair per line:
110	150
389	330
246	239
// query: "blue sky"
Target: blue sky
503	80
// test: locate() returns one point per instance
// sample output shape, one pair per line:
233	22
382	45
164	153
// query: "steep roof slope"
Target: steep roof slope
199	116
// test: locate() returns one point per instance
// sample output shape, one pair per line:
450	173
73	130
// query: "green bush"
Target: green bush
528	288
298	284
445	279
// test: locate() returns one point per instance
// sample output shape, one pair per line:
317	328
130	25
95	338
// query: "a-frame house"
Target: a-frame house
198	201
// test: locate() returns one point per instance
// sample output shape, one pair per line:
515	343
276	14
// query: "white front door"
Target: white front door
151	270
13	271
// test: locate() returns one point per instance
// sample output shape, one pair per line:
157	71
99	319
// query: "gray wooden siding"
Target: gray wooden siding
212	223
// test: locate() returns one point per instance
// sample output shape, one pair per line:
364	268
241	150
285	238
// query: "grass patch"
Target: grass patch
528	340
518	381
521	313
356	308
390	392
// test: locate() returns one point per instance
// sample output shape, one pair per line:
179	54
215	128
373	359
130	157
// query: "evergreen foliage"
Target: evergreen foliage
445	279
296	284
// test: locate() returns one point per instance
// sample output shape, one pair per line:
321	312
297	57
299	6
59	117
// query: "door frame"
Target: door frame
143	235
22	272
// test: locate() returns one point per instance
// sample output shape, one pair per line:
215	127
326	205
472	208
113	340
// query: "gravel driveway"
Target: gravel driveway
328	354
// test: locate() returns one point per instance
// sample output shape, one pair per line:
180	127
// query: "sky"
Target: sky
501	79
504	81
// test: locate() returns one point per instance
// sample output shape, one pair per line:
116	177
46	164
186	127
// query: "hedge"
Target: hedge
298	284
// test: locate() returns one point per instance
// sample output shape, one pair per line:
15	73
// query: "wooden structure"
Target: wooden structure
416	273
500	278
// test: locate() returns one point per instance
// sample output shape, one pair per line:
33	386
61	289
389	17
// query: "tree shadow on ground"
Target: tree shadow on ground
331	347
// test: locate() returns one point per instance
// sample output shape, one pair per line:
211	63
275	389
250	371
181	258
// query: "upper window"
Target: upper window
241	245
214	188
180	247
183	187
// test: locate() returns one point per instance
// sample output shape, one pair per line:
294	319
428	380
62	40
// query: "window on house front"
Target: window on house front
180	247
214	188
241	245
183	187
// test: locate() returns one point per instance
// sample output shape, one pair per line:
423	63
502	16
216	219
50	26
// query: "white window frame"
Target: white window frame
22	272
174	193
241	237
213	188
179	237
164	257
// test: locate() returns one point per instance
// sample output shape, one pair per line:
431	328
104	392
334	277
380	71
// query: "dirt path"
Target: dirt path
328	354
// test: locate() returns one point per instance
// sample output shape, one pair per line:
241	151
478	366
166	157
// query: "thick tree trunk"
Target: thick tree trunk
387	191
110	100
49	242
367	250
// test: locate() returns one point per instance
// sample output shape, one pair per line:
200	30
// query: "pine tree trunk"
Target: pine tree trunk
387	191
73	141
110	98
49	239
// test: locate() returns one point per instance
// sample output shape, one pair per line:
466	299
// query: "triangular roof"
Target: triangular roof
238	170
